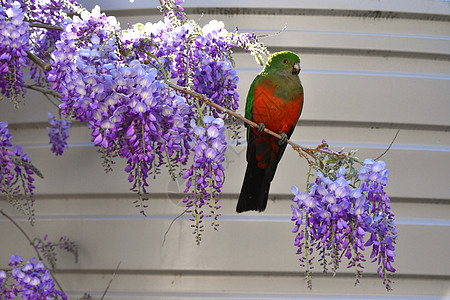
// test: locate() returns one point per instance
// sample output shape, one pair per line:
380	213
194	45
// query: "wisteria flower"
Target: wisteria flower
13	46
206	175
16	174
334	217
29	280
58	134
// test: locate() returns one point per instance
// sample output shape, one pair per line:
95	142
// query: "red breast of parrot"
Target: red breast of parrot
274	101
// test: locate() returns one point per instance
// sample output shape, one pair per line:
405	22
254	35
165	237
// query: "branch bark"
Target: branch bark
46	26
41	63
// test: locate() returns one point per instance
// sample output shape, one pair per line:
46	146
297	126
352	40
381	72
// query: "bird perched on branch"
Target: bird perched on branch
275	101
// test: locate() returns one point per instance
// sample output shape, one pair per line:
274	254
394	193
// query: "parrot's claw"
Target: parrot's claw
261	127
283	139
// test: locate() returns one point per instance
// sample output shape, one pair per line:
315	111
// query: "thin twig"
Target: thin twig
42	90
343	252
272	34
20	228
110	281
45	92
390	145
33	246
50	100
171	223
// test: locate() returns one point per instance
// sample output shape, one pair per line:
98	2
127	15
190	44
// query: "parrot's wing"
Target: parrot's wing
251	98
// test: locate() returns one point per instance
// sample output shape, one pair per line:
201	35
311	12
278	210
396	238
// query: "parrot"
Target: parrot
275	102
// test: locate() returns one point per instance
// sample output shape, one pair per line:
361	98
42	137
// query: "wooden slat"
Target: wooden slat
262	244
410	175
239	286
388	94
416	6
275	22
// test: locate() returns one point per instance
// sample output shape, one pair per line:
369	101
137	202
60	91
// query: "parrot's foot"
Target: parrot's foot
261	127
283	139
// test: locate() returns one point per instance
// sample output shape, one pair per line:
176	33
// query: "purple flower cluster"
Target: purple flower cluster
16	174
13	46
131	112
29	280
53	13
214	74
218	81
196	57
58	134
17	39
4	135
335	219
172	9
83	44
382	229
206	175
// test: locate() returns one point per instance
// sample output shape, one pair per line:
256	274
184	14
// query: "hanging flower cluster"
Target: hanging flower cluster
58	134
16	174
131	112
206	175
334	218
28	280
17	41
13	51
45	18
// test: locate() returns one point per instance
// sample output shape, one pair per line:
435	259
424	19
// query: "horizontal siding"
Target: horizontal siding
436	7
406	156
369	68
259	243
408	94
182	285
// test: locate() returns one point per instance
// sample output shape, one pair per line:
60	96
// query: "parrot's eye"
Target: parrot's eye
285	61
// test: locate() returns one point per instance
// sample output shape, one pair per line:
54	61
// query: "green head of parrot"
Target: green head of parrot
284	62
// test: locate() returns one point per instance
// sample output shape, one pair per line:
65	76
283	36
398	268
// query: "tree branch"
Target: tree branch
46	26
41	63
302	151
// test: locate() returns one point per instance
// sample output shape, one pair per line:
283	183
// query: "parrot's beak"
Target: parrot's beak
296	69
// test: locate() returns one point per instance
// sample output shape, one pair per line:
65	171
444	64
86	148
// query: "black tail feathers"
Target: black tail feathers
255	190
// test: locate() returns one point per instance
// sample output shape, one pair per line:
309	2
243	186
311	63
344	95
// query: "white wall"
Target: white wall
369	68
